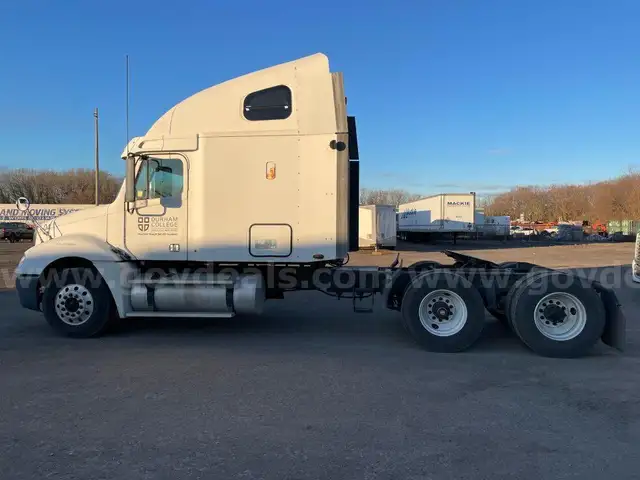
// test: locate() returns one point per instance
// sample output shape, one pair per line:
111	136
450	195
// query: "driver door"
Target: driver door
156	223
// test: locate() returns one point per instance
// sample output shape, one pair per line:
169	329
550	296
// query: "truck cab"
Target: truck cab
252	171
247	190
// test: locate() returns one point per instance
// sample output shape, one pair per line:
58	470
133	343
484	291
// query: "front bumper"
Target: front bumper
27	288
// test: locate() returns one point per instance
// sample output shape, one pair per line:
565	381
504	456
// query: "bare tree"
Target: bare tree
386	197
616	199
42	186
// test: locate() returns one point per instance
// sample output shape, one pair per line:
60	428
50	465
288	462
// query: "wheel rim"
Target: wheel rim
74	304
443	313
560	316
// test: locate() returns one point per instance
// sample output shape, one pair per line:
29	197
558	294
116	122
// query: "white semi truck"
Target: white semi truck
247	191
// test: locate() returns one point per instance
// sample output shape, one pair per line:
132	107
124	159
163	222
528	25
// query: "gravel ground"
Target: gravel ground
311	390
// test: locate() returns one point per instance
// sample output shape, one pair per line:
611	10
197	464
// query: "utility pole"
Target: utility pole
97	155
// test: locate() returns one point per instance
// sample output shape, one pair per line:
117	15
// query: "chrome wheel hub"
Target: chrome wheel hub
560	316
74	304
443	313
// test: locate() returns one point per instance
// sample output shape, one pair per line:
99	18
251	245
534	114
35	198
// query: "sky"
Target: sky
449	95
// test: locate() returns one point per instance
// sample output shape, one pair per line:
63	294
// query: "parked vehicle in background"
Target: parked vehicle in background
549	232
597	227
526	231
15	231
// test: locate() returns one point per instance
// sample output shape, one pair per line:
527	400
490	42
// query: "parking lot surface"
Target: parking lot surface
312	390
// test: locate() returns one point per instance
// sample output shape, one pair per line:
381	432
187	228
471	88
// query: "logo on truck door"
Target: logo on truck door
143	224
157	225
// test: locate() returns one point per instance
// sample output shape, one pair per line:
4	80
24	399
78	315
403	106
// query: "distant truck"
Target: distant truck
447	213
247	192
15	231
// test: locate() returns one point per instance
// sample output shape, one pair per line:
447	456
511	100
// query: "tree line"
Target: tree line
617	199
70	186
387	197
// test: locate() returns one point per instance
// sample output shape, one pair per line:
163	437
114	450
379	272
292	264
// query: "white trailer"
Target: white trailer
501	224
493	225
377	226
247	191
450	213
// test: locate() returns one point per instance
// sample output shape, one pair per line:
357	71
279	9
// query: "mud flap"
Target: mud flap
615	331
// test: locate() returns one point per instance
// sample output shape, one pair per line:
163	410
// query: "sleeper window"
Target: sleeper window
269	104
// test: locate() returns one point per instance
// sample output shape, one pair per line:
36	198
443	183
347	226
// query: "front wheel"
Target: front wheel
443	312
77	302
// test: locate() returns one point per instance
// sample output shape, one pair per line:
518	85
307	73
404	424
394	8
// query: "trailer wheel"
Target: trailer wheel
557	315
443	312
77	303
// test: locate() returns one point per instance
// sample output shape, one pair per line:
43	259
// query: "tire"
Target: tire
424	265
520	265
503	315
500	316
514	290
548	297
466	319
72	291
12	238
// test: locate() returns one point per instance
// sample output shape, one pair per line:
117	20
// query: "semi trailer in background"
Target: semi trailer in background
377	226
447	213
246	192
495	225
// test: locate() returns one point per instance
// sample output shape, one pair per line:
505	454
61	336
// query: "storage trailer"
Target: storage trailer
377	226
180	240
495	225
447	213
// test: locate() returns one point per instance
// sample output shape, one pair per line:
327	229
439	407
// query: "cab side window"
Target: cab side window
269	104
160	178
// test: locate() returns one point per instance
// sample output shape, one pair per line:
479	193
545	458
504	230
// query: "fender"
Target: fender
87	247
112	263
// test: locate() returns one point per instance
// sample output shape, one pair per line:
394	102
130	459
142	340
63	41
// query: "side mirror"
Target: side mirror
130	180
23	204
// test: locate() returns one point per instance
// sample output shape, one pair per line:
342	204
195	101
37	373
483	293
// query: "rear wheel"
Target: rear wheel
443	312
557	315
500	316
12	238
77	303
424	265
